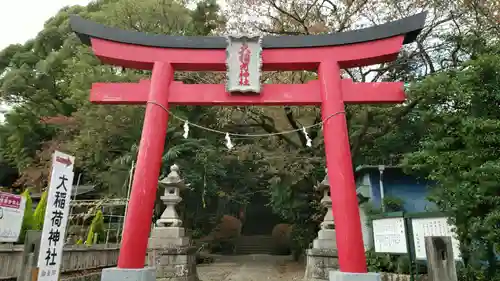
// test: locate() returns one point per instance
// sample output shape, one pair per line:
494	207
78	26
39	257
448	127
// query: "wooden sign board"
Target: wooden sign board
244	64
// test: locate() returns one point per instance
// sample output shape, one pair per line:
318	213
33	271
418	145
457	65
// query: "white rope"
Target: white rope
228	134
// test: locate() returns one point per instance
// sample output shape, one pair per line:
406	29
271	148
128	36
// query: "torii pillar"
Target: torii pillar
326	54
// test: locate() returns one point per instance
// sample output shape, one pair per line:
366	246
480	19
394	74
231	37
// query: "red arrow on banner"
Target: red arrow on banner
62	160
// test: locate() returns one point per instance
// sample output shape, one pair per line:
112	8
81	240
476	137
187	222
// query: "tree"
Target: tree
378	134
374	130
47	80
459	153
54	112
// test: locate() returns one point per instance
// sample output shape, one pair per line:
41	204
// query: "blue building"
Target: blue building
378	182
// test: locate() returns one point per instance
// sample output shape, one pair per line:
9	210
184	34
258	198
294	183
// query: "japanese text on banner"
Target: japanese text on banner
56	217
11	216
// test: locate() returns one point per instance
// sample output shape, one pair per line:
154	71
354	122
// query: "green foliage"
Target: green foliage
472	272
302	235
28	220
445	126
96	229
224	235
90	237
51	76
39	214
205	17
298	203
295	202
460	154
393	204
378	262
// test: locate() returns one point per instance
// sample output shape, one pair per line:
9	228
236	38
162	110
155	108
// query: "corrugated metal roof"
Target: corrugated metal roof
363	168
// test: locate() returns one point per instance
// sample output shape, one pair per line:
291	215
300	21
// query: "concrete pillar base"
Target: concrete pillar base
319	263
136	274
347	276
174	264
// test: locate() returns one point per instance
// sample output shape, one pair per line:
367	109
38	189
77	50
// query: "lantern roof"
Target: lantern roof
173	179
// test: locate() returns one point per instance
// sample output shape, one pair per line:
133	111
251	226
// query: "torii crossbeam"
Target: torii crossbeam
326	54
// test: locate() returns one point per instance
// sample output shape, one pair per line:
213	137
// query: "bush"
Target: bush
301	237
393	204
96	229
282	238
39	215
379	262
228	228
28	215
223	237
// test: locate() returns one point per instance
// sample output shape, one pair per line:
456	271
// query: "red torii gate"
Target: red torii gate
325	53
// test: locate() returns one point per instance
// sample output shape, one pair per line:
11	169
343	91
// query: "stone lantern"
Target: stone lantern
173	185
322	257
326	202
326	236
169	249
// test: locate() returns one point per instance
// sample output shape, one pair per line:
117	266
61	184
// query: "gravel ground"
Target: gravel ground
251	268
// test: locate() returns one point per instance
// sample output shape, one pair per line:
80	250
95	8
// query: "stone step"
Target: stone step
263	246
248	252
269	249
269	246
256	244
254	250
255	239
256	236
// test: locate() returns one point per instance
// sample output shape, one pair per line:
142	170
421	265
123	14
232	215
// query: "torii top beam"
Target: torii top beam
140	50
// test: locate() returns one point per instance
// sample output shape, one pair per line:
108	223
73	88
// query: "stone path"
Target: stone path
251	268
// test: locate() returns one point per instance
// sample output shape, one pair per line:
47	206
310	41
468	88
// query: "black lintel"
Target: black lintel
410	27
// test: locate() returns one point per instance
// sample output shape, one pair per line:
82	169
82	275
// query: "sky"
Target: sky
21	20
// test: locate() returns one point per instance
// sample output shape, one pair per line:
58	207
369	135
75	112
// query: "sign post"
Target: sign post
244	63
429	227
56	217
389	235
11	216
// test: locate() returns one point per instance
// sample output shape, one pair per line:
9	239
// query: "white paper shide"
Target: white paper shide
11	216
56	217
243	64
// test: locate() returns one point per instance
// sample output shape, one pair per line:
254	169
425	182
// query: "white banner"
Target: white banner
56	217
389	235
424	227
11	216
